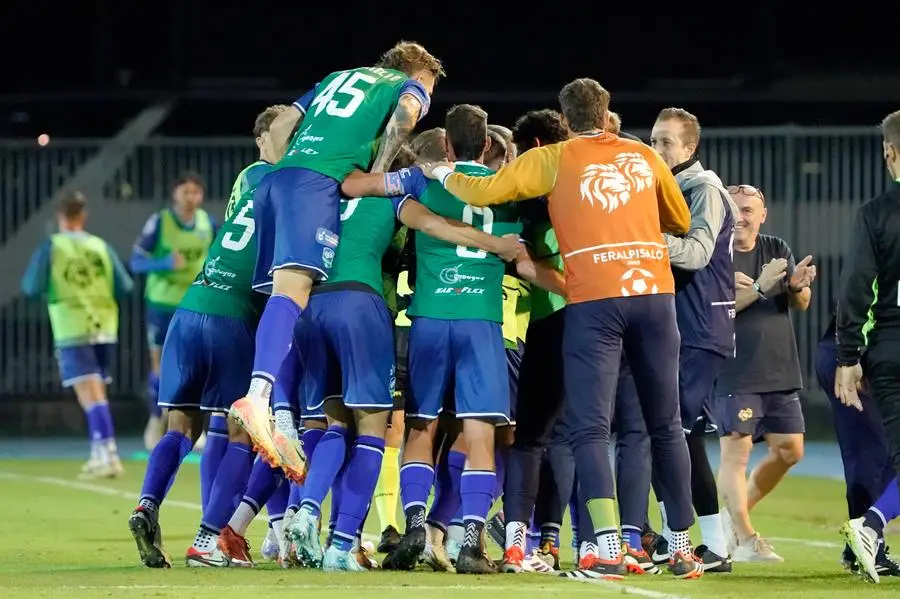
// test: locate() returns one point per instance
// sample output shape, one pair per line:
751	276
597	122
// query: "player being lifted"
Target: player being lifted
298	206
456	349
205	363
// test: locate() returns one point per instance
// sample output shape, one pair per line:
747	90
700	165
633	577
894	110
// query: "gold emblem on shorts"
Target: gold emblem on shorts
745	414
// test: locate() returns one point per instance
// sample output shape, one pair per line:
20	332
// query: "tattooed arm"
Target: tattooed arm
402	122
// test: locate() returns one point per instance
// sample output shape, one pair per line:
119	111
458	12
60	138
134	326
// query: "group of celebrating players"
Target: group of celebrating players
297	327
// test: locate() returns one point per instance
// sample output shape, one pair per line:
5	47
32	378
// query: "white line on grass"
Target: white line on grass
825	544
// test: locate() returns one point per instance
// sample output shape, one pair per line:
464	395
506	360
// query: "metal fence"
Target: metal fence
813	178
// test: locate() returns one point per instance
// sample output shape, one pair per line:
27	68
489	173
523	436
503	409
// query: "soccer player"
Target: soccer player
871	483
83	280
205	362
609	198
349	318
704	303
298	206
170	250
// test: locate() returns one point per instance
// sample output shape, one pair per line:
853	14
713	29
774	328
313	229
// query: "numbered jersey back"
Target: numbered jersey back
225	280
348	113
455	282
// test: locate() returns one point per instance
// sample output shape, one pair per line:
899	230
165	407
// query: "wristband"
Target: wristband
441	173
393	186
759	291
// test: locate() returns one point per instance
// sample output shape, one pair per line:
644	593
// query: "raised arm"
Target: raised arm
531	175
286	122
411	107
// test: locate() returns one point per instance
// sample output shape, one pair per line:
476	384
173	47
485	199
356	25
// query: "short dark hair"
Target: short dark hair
466	127
405	158
890	129
189	177
584	103
428	145
265	118
71	205
410	57
544	125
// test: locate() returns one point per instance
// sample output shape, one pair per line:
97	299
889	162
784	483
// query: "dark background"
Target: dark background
82	68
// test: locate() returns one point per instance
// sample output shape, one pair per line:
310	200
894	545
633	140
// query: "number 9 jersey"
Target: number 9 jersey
454	282
224	285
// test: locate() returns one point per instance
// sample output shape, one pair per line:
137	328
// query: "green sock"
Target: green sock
603	513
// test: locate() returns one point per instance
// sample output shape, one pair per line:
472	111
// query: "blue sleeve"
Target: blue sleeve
418	91
142	263
37	276
302	103
142	260
397	204
122	283
413	180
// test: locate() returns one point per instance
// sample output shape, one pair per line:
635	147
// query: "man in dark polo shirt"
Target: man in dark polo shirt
756	393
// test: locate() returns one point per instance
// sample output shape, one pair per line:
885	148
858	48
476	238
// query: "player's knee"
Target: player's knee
789	451
315	424
236	434
504	436
338	414
372	423
735	450
295	283
188	423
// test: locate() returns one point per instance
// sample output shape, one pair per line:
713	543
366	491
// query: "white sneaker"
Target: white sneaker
269	548
864	543
287	557
756	549
533	563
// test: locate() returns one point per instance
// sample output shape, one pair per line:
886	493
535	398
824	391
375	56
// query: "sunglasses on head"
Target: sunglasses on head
747	190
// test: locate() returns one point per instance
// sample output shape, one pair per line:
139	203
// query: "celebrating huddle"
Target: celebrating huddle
583	287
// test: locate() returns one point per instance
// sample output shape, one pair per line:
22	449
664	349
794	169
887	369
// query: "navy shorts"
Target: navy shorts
513	367
348	350
757	414
297	216
81	362
157	325
461	360
288	388
698	370
206	361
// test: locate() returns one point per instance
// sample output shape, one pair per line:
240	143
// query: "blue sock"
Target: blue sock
261	486
103	421
216	444
500	471
337	491
229	486
477	490
363	469
330	453
153	395
886	508
163	464
310	440
274	335
550	534
276	506
632	536
416	480
294	497
457	519
94	416
447	500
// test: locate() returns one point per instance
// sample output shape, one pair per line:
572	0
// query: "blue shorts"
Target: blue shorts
288	391
297	216
513	366
348	350
82	362
698	370
157	325
463	360
206	361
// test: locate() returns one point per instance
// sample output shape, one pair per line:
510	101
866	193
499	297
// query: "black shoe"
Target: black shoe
390	539
712	562
496	529
144	526
600	569
472	561
848	560
406	555
658	549
884	564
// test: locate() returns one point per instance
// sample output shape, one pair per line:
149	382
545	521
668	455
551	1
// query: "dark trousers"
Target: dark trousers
632	452
595	336
863	441
540	405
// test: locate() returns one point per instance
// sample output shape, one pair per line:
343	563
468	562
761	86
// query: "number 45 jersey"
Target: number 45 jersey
345	116
455	282
224	285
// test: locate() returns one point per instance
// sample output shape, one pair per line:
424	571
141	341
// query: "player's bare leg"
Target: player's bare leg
104	461
252	411
744	542
784	452
418	464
